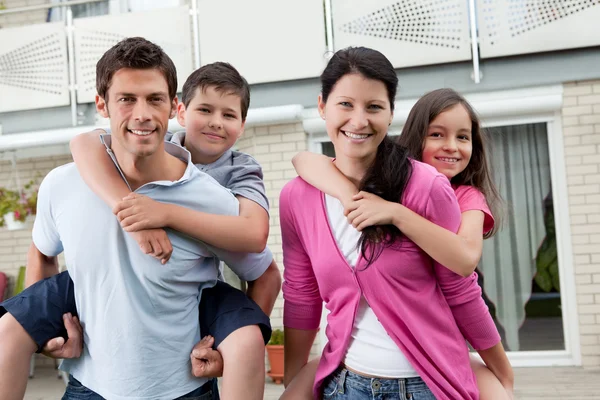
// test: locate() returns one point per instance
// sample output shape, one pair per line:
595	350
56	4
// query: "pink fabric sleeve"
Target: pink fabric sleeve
302	304
462	294
469	199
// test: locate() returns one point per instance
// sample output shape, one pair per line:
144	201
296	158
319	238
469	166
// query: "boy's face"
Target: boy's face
213	123
139	109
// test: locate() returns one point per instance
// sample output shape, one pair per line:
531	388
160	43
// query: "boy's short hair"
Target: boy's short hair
223	77
134	53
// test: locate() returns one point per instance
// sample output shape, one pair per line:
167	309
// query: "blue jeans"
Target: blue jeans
76	391
346	385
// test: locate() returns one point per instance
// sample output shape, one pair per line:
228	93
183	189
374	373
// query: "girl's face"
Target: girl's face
448	144
357	115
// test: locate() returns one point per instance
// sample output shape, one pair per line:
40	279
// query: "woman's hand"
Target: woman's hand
137	212
367	209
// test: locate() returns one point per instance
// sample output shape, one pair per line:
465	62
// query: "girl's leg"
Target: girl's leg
490	387
301	387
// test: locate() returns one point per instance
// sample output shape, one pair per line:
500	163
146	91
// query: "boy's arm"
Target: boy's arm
96	168
247	232
319	171
100	174
265	289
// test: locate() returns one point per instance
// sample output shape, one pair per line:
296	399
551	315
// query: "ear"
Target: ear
181	114
321	106
102	107
391	119
173	107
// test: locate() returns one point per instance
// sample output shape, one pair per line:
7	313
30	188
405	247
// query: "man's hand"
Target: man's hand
136	212
206	362
72	348
154	242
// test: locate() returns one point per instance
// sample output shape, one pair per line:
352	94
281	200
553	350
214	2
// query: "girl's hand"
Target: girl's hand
137	212
367	209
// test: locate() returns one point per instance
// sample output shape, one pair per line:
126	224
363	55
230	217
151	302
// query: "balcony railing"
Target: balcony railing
53	64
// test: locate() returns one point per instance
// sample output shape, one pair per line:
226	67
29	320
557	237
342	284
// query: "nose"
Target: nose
141	111
359	119
215	122
450	145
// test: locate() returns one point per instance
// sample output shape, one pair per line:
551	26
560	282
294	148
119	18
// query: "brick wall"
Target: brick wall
23	18
581	129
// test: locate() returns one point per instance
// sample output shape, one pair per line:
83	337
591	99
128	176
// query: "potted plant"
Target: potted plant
17	205
275	354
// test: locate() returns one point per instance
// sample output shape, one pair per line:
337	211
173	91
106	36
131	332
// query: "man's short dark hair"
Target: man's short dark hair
134	53
223	77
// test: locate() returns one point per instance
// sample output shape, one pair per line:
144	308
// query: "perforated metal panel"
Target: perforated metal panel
408	32
33	67
509	27
169	28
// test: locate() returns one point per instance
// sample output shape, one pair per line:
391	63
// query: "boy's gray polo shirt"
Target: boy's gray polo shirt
140	317
237	171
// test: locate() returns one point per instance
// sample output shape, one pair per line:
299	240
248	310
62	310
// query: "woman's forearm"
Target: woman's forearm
496	360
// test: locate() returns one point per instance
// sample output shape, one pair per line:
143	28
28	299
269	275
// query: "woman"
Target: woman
397	318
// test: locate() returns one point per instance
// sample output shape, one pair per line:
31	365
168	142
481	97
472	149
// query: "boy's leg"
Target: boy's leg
27	322
16	349
240	330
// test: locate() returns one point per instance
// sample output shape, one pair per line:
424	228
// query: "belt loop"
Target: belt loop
342	380
402	389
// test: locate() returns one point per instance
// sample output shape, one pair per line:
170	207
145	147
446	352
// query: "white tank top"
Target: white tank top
371	350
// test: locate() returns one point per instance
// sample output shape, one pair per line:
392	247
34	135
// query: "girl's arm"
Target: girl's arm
319	171
297	344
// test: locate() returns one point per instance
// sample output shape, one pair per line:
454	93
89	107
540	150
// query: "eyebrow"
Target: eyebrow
211	106
443	127
127	94
371	100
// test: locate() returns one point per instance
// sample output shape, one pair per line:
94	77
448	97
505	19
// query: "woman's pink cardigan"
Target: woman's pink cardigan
426	309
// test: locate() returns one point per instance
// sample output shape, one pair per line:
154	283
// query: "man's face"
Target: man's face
139	109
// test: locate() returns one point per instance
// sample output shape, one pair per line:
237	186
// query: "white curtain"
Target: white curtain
79	11
521	168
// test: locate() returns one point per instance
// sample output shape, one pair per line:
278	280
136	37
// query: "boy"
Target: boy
224	309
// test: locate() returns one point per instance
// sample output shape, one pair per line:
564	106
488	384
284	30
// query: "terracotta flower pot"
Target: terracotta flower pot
275	354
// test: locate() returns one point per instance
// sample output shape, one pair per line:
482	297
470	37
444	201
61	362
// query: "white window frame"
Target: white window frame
502	108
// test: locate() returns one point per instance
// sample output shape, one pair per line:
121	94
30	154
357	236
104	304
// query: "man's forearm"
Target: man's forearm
39	266
265	289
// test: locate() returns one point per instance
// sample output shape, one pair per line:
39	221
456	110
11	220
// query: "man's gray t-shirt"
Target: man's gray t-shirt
140	317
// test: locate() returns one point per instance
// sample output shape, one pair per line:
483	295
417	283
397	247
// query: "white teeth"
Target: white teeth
448	159
355	135
140	133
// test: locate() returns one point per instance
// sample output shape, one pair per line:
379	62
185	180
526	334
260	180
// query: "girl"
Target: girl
397	317
442	130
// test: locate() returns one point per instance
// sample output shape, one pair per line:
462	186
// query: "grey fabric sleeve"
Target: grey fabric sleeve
246	179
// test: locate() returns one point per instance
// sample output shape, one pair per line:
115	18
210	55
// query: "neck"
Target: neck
354	169
201	158
139	170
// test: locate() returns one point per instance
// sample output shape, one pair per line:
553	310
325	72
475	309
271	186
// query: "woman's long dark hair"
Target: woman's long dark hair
388	176
477	173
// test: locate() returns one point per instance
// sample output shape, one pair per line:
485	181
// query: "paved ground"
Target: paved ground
531	384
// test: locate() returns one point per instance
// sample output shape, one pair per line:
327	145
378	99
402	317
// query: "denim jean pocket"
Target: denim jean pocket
330	389
206	396
424	394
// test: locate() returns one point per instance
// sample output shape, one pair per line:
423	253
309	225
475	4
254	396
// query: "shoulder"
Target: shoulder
239	158
470	198
61	174
424	178
297	194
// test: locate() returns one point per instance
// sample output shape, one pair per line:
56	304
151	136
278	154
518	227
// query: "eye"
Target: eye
204	110
435	134
126	99
464	137
232	116
375	107
156	99
345	104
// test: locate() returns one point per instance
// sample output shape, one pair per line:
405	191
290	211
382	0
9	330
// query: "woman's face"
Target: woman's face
357	115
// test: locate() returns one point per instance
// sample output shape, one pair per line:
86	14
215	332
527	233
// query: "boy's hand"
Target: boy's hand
368	209
206	362
72	348
136	212
154	242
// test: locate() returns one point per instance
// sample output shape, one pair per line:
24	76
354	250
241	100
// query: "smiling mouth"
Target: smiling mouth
140	132
448	159
353	135
212	135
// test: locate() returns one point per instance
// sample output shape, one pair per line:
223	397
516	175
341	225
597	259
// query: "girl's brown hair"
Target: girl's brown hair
477	173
